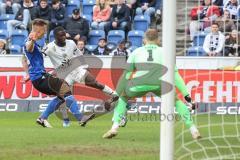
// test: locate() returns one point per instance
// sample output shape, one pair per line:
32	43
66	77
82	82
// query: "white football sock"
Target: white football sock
193	129
108	91
115	127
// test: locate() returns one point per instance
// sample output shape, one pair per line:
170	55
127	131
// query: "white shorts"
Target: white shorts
76	76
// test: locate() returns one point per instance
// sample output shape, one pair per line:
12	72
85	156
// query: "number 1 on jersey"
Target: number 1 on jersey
150	58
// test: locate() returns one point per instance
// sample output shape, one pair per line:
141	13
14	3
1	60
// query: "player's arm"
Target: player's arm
25	68
30	42
122	82
181	86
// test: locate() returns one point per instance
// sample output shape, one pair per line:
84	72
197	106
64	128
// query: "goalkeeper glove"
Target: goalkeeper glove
192	105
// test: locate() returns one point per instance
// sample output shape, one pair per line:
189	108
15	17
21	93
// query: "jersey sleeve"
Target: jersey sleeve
131	63
180	84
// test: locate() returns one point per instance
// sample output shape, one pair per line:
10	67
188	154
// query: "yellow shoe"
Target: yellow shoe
110	134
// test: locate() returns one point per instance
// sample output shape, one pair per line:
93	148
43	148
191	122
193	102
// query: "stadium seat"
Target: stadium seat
141	22
91	47
3	20
198	38
18	37
15	49
70	7
86	1
7	16
77	2
51	36
195	51
88	7
115	36
88	17
3	34
94	36
136	37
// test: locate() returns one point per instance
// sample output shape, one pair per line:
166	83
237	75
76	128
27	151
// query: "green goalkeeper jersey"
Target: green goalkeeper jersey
145	68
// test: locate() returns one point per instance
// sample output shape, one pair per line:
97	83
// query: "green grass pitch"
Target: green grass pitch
22	139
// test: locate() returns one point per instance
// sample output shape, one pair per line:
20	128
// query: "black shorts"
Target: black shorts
48	84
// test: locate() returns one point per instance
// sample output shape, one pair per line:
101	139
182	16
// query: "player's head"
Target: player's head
39	26
60	36
151	37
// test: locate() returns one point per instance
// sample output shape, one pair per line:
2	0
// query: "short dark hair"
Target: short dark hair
55	1
39	22
58	29
215	23
82	40
43	0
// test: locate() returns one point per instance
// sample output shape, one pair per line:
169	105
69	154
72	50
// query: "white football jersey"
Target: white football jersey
59	54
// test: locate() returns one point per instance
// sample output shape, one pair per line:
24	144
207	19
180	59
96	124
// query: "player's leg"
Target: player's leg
51	85
91	81
119	112
181	86
185	115
84	76
63	109
120	109
71	103
52	106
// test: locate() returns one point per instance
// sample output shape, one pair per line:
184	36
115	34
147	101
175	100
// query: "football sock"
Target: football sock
52	106
107	90
71	103
120	110
184	113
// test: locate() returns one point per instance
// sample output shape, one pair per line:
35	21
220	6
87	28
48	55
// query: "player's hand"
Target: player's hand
33	36
25	79
192	105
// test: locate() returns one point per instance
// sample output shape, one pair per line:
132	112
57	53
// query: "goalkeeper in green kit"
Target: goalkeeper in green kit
142	75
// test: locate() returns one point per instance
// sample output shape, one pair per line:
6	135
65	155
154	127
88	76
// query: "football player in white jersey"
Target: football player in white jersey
61	51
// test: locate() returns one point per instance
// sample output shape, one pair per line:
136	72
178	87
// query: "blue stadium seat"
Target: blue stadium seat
77	2
3	20
91	47
115	36
195	51
7	16
86	1
94	36
88	17
199	38
18	37
51	36
141	22
3	34
88	7
70	7
136	37
15	49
